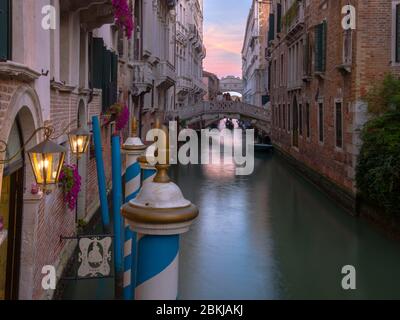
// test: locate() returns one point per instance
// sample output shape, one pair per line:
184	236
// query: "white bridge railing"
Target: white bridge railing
223	107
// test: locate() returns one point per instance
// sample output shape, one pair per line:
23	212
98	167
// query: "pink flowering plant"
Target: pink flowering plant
123	118
120	114
123	16
71	182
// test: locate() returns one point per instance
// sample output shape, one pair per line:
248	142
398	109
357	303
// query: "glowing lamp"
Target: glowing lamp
47	159
79	141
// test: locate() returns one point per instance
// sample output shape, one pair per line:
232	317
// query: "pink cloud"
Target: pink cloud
224	45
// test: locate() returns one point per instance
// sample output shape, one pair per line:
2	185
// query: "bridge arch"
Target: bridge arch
211	111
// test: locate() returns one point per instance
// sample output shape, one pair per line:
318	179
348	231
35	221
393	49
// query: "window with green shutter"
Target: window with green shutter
271	31
320	47
104	73
278	18
5	30
97	65
398	33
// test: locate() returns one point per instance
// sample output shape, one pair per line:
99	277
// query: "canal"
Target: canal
274	235
270	235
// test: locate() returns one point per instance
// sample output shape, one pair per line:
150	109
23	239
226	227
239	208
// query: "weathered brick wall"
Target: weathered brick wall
54	218
371	60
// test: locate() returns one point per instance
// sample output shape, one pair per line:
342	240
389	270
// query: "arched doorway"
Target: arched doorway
295	117
17	257
11	208
82	164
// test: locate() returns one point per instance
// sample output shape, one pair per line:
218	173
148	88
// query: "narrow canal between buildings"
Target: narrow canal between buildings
274	235
270	235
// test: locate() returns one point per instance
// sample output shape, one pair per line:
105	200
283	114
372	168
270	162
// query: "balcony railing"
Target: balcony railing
167	75
184	84
93	13
293	20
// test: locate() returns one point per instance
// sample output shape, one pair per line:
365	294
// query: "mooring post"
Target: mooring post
132	148
159	215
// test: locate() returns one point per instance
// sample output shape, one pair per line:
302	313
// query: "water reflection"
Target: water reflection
273	235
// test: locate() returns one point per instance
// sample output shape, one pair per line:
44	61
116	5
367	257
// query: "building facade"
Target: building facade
320	72
212	84
74	69
154	60
168	58
254	64
231	84
190	52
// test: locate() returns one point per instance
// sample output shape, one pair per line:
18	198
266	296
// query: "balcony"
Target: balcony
142	81
199	86
294	20
75	5
166	75
93	13
184	87
184	84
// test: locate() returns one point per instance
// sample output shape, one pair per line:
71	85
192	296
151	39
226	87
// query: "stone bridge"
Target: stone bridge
207	112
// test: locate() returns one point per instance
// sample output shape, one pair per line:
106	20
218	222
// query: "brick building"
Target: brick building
319	75
52	77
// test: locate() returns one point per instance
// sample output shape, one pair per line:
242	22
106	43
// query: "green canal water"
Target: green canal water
271	235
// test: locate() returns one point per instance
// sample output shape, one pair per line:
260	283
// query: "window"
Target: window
282	70
271	30
321	122
397	33
308	120
289	121
320	47
284	117
307	57
104	77
339	124
301	119
347	46
278	17
279	117
5	30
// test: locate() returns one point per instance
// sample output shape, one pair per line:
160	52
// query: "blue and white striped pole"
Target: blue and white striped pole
132	148
159	215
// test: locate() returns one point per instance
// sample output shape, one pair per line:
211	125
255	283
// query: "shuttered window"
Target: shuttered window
398	33
339	125
300	119
105	72
271	31
321	122
320	47
307	57
308	120
278	17
5	30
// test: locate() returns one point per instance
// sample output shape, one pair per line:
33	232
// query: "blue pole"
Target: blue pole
101	177
117	203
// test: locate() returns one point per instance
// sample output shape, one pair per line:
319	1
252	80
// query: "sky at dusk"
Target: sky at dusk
224	27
